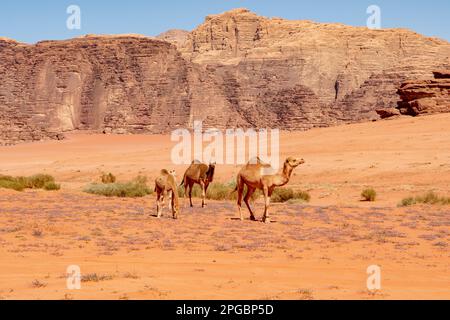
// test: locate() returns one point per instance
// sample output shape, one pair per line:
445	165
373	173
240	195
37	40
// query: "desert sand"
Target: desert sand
319	250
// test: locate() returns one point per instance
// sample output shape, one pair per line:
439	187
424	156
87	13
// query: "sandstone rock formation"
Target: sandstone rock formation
237	69
174	36
421	97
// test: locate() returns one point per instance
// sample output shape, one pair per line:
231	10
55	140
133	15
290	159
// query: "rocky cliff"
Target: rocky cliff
421	97
236	69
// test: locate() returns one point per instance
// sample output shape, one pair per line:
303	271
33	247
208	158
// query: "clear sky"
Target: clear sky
34	20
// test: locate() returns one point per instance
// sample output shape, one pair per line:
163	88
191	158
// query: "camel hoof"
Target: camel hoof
252	218
266	221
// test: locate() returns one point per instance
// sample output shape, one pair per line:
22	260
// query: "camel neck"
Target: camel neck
286	175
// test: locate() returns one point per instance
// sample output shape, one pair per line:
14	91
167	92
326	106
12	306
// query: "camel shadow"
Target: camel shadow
248	219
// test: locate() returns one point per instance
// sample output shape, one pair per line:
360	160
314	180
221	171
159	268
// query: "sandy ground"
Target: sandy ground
316	251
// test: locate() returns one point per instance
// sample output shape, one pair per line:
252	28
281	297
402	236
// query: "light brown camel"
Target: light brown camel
166	186
254	175
198	173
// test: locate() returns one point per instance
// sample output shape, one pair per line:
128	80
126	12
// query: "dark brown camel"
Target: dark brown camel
198	173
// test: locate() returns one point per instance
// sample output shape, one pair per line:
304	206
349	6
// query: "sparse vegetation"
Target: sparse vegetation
305	294
37	233
224	191
134	189
94	277
429	198
369	194
38	284
11	184
281	195
38	181
52	186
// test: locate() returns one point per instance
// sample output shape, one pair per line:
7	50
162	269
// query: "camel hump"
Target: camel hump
164	172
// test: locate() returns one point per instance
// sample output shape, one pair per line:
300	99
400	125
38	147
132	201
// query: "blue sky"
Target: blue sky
34	20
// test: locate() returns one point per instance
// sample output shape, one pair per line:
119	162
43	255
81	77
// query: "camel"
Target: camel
253	176
166	185
198	173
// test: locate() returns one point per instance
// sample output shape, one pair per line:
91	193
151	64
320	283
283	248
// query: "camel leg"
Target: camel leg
191	186
239	199
158	204
172	204
249	194
266	218
169	199
186	186
206	190
202	185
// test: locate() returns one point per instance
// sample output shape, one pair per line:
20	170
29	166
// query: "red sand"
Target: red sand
315	251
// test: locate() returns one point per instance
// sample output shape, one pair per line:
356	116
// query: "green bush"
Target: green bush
196	191
38	181
429	198
408	202
134	189
369	194
14	185
52	186
281	195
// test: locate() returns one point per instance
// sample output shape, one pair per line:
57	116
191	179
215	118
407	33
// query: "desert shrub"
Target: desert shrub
14	185
218	191
196	191
38	181
108	178
52	186
302	195
369	194
407	202
429	198
94	277
134	189
140	179
281	195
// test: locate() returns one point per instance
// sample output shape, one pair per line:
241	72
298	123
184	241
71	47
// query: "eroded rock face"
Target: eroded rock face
420	97
301	74
237	69
175	36
117	84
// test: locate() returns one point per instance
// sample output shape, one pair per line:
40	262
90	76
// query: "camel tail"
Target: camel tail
182	181
236	188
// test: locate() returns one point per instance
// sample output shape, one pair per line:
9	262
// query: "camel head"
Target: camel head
294	162
210	172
